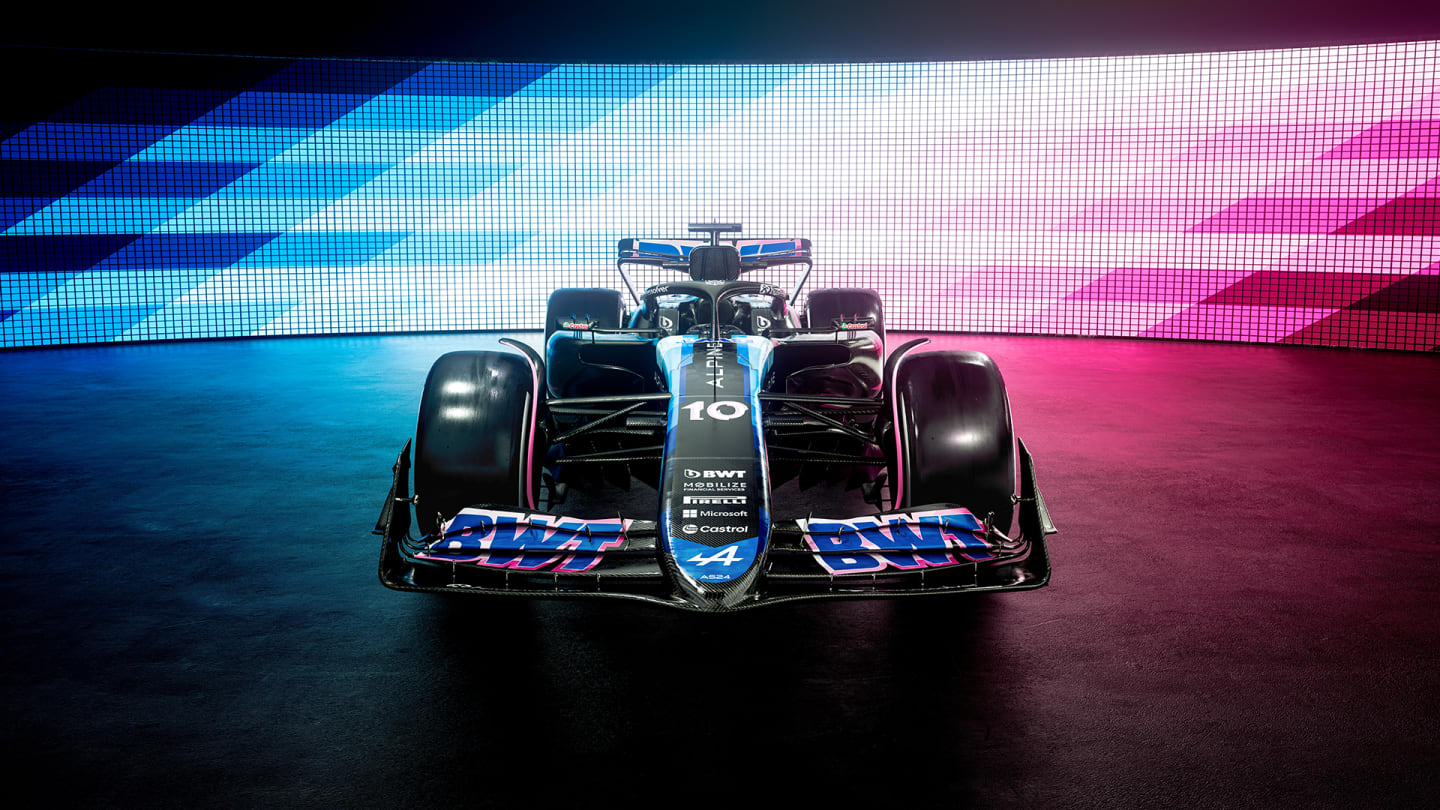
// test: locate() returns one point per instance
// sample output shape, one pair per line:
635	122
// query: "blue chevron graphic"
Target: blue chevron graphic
1035	196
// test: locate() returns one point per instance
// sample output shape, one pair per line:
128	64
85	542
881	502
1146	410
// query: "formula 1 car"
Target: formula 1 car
714	392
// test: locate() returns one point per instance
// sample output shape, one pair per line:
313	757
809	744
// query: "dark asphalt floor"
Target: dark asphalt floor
1245	609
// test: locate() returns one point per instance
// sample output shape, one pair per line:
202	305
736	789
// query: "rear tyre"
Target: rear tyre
952	437
476	438
605	309
845	303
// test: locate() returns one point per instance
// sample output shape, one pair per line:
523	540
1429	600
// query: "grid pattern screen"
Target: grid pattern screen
1274	196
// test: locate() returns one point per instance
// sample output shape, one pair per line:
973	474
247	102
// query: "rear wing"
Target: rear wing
674	254
759	251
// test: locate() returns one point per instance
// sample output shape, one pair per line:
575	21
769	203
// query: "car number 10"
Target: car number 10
724	410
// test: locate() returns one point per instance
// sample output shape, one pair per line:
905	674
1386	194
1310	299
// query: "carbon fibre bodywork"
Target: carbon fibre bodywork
712	394
519	553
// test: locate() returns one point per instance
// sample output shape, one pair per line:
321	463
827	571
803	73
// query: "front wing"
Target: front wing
505	550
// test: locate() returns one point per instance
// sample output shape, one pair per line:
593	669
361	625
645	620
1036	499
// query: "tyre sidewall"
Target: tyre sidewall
954	442
475	439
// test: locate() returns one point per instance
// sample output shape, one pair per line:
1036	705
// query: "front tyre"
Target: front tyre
952	437
476	441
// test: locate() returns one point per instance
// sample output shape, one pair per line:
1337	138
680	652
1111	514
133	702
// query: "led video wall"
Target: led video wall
1271	196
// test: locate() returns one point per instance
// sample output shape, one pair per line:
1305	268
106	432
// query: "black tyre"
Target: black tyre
476	439
604	308
845	303
953	441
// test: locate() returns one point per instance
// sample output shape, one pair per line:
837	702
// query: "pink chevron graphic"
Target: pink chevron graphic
1288	195
1249	324
1169	285
1289	215
1392	140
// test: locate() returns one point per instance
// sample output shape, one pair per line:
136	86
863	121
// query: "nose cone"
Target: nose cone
714	521
711	577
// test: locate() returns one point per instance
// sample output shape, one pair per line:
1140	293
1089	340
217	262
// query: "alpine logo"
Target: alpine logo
705	563
714	355
726	556
689	473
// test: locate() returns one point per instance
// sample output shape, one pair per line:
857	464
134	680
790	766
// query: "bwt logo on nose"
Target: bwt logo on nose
689	473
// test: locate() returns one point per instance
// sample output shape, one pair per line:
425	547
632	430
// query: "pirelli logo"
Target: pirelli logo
713	500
